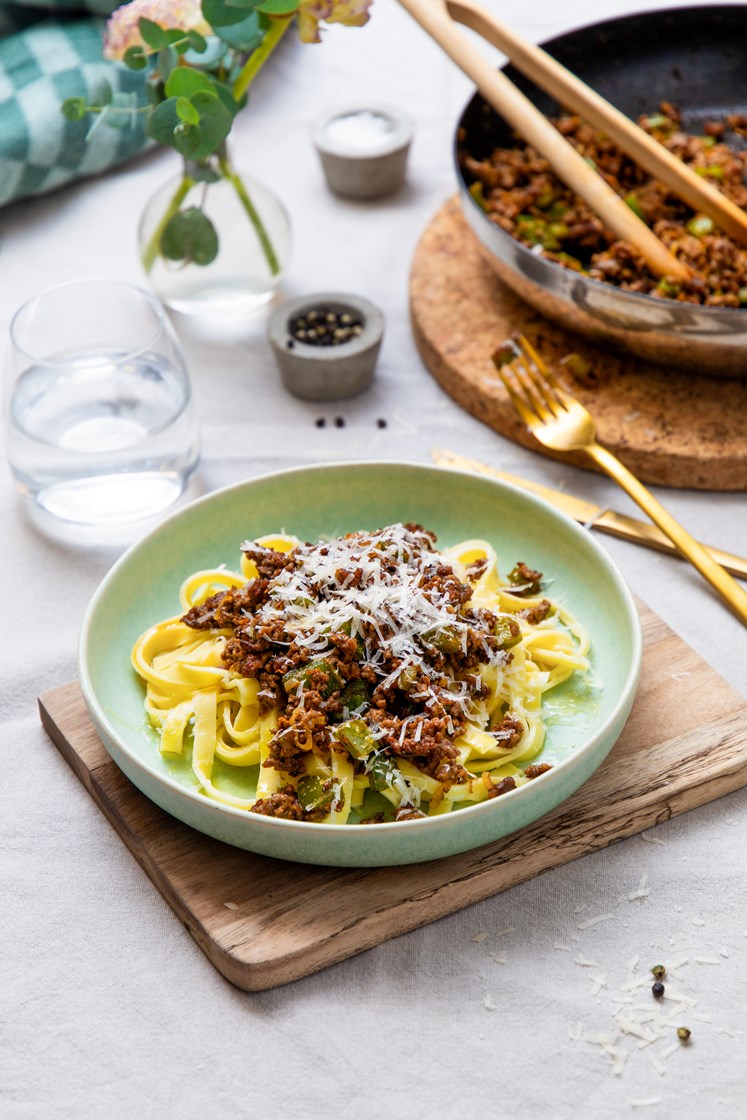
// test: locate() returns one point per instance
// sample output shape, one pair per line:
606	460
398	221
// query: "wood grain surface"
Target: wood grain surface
670	428
685	744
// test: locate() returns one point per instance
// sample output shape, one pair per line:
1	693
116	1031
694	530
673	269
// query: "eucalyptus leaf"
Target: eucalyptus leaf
134	58
219	13
166	61
215	122
190	237
186	111
183	82
201	172
197	43
74	108
121	112
214	51
187	137
162	121
244	36
152	34
225	93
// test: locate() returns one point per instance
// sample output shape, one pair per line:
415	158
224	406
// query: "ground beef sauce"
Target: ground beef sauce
366	636
519	192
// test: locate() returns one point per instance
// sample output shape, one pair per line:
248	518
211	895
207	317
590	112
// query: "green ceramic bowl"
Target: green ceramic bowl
143	586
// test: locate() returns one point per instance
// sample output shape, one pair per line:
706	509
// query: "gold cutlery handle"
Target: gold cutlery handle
699	557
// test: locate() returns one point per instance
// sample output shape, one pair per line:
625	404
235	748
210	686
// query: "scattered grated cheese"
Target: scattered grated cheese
594	921
501	958
697	921
561	948
644	1102
642	891
680	676
652	839
706	960
671	1050
727	1030
657	1064
230	906
480	936
724	952
489	1004
581	960
618	1065
575	1031
701	1017
599	982
508	929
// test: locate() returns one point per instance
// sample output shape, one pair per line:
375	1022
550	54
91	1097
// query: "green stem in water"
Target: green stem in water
230	175
151	250
258	58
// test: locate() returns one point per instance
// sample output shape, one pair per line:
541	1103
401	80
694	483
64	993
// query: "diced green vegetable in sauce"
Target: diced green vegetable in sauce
658	120
381	772
356	737
668	288
743	295
545	199
715	171
446	639
311	793
508	632
700	225
577	364
303	674
477	193
354	695
631	200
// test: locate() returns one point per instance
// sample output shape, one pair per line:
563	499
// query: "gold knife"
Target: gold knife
589	514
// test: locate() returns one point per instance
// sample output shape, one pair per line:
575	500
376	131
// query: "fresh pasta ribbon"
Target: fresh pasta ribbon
212	717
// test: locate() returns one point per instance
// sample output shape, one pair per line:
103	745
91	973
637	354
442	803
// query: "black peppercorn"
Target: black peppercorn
339	421
658	989
320	422
381	422
322	327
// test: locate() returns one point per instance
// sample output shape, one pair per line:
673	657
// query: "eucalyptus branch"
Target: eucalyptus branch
150	252
267	248
257	58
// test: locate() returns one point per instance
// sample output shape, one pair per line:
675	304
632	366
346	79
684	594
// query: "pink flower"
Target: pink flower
311	13
122	28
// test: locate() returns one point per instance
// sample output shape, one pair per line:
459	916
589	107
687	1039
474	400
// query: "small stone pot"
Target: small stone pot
325	373
358	170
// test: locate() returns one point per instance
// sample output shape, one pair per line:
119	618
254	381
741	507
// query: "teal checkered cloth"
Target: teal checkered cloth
50	51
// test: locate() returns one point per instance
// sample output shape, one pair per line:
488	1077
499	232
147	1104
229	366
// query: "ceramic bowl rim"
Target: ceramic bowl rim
430	825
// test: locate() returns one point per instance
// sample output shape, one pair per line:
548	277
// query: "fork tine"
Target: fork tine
528	351
532	391
529	417
537	372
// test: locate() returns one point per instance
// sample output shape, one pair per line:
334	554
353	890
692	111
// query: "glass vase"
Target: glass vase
252	238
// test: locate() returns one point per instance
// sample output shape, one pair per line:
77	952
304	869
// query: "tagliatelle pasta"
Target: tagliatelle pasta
361	679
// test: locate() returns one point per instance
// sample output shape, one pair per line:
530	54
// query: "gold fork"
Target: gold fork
561	422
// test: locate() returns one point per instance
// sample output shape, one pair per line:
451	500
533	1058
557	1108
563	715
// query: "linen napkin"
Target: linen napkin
50	50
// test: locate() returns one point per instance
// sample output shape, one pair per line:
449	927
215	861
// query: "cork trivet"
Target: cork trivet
670	428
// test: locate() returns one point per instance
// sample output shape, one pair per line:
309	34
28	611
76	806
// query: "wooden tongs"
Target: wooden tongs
438	18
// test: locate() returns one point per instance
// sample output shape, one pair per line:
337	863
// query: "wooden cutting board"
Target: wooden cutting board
263	922
670	428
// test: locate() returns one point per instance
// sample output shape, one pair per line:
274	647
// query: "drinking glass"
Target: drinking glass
100	426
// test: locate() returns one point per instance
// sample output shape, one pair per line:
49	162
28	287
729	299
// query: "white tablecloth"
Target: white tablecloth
109	1008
